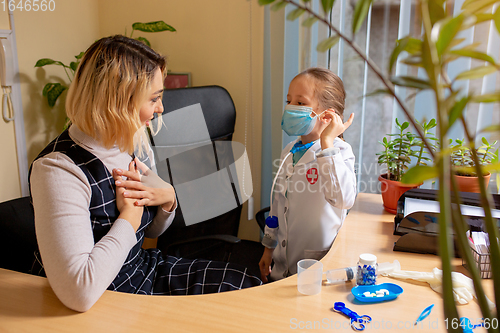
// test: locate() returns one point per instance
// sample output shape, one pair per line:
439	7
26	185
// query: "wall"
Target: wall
59	35
9	173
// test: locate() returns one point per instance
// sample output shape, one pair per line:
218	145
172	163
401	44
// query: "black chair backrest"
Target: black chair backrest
216	103
220	117
17	235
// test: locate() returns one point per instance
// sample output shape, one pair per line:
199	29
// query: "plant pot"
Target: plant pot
392	191
471	183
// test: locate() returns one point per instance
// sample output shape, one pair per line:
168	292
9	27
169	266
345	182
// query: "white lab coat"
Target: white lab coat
310	200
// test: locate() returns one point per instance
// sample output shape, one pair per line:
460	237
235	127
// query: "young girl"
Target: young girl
93	207
315	183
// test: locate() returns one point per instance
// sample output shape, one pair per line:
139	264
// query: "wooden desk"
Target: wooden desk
27	303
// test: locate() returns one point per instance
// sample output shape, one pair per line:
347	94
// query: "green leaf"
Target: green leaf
327	5
360	13
278	6
265	2
295	14
448	29
47	61
491	128
474	54
52	91
418	174
496	19
411	45
457	110
483	17
308	22
73	65
471	7
80	56
327	44
379	92
436	12
487	98
144	40
410	82
476	73
413	61
493	167
156	26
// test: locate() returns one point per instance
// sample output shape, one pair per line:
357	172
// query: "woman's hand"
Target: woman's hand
147	189
126	206
334	129
265	263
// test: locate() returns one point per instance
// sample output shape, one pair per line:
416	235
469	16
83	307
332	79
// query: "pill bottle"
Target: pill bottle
367	269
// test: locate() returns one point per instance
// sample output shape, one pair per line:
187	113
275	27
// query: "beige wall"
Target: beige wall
212	42
59	35
9	173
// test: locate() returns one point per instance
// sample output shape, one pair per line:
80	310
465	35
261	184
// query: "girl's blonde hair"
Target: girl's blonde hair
110	85
329	89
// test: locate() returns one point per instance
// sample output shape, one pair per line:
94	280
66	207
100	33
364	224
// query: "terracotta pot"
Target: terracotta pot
471	183
392	191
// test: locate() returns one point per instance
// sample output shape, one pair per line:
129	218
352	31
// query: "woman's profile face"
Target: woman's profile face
153	103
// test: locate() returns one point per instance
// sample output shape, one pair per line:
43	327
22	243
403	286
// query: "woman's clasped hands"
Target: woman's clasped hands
139	186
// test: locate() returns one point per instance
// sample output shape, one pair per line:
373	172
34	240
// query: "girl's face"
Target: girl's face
301	92
153	104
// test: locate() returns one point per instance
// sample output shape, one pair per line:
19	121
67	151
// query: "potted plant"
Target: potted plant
462	159
439	44
397	157
52	91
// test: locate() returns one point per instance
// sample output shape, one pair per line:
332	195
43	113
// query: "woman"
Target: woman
93	207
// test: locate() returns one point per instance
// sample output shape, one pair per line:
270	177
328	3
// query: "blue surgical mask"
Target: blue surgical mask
297	120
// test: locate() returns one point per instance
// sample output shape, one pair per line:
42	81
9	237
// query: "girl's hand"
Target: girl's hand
265	264
335	127
126	206
148	189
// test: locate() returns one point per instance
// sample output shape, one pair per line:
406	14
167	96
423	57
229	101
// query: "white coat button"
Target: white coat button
283	243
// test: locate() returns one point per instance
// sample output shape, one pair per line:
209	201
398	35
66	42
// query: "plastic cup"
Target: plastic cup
309	276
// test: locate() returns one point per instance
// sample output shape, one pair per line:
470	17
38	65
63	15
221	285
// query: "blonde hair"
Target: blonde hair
329	89
109	87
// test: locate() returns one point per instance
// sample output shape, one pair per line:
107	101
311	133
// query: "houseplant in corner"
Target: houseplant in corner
463	162
397	157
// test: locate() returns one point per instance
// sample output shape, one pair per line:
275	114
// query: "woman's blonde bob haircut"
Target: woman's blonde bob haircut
110	85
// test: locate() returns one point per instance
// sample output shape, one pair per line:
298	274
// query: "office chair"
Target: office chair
199	151
17	235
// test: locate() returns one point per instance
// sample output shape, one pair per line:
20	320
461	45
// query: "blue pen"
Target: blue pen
424	314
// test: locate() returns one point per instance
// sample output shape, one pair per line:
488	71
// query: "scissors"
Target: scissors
467	326
357	321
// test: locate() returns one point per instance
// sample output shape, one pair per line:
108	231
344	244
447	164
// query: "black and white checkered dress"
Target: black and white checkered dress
146	271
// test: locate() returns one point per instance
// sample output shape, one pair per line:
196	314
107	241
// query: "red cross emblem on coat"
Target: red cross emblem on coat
312	176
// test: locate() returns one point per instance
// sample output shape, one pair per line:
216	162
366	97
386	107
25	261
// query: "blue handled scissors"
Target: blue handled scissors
357	321
467	326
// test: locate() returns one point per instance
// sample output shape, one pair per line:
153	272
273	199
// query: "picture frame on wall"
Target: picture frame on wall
175	80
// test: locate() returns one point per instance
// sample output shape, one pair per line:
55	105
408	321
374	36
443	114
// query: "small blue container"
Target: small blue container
394	292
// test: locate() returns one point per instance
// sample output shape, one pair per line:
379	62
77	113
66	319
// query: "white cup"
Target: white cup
309	276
